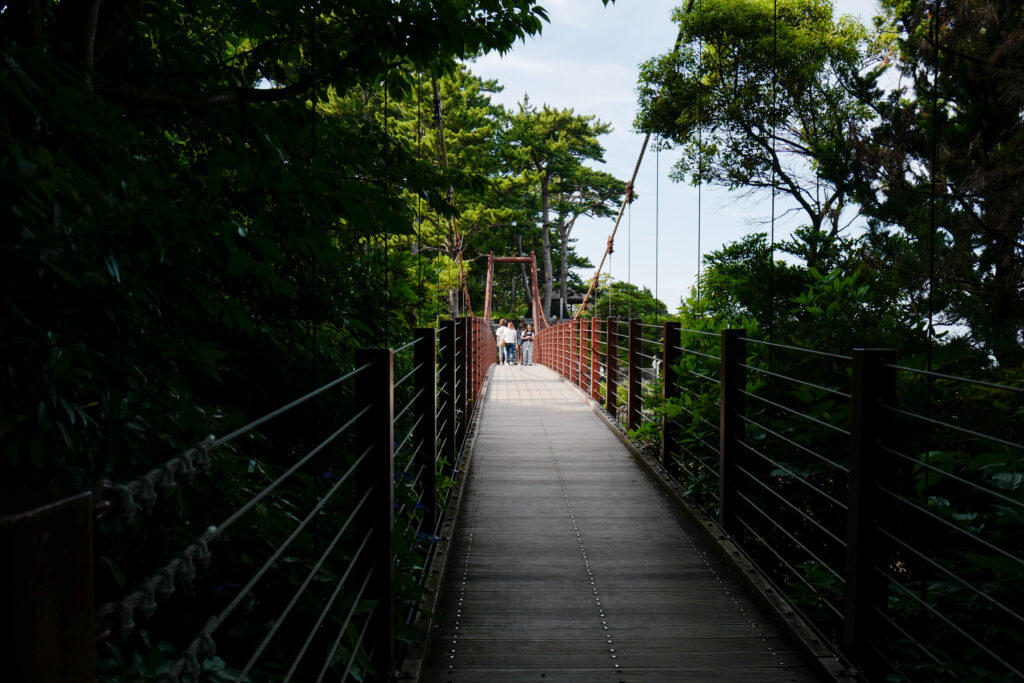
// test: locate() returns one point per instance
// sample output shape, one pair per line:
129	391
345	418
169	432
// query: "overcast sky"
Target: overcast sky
587	59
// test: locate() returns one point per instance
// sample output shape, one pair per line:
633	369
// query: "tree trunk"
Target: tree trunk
545	237
1005	312
563	272
453	292
525	276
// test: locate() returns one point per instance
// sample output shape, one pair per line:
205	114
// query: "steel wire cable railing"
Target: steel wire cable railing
460	371
408	436
121	498
408	405
800	480
710	447
699	354
912	596
704	333
302	588
698	416
883	655
812	385
692	392
327	608
359	644
796	413
786	504
406	377
202	643
403	347
713	380
950	526
793	572
791	444
798	349
1002	498
954	378
227	438
800	447
161	582
356	601
956	428
949	574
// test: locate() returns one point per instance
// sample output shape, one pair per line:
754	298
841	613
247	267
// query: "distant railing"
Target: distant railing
336	531
865	491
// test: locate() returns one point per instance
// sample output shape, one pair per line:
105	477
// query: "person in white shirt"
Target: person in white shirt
499	340
510	343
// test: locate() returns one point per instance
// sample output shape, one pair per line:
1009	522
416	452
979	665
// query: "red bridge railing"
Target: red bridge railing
877	498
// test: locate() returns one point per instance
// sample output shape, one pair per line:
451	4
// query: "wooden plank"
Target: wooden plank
569	565
690	675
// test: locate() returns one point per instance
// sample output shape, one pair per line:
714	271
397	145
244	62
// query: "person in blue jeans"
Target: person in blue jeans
499	340
510	343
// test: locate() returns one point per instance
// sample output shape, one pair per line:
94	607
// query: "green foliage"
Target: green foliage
203	225
940	165
550	147
759	96
959	505
625	301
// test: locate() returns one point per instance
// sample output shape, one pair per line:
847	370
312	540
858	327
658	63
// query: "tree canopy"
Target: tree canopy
758	96
550	146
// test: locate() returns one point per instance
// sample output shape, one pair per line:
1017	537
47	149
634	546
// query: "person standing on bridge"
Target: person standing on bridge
510	342
526	342
499	340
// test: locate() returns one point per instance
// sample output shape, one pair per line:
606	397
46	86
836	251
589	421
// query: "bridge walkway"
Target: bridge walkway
570	564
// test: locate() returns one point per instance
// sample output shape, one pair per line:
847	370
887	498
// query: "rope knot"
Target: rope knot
188	567
202	546
127	610
202	453
129	508
165	475
166	576
147	594
147	488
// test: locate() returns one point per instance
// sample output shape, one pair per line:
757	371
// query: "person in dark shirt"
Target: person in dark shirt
526	342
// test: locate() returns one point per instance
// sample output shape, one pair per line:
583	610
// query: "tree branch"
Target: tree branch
159	98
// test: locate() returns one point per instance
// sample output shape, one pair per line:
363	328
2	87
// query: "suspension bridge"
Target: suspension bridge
469	522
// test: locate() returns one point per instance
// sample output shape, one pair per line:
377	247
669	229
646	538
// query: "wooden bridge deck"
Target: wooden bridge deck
569	564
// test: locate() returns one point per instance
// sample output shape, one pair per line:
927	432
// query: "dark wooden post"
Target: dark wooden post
376	432
479	345
611	369
730	426
447	375
471	359
467	365
46	588
467	359
556	349
560	352
874	385
584	345
424	380
574	336
635	385
568	350
595	358
563	350
574	347
669	390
